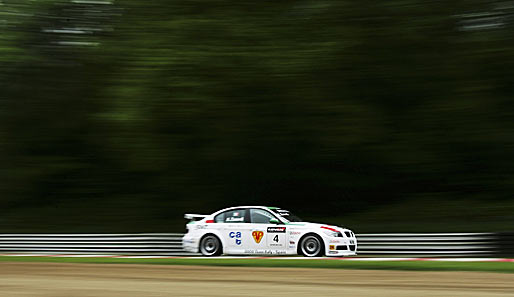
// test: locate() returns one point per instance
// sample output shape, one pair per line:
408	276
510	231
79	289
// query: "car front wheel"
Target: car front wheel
311	246
210	245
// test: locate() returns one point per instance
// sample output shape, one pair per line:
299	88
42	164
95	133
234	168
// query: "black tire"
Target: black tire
312	246
210	246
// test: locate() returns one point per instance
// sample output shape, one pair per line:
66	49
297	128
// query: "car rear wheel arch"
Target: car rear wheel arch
204	250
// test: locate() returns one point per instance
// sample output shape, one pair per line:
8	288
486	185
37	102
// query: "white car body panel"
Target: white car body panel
238	238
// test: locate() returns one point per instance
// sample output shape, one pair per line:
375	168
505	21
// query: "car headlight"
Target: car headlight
333	233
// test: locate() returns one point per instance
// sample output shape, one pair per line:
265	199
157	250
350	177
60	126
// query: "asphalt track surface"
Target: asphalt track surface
81	280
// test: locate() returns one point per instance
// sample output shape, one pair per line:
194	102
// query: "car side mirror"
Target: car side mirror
274	221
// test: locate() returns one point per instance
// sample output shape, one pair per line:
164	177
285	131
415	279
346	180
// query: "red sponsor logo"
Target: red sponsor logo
257	236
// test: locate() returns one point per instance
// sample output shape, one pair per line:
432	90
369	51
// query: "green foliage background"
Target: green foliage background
122	116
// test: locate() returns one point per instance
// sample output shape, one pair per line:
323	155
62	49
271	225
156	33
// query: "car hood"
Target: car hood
317	225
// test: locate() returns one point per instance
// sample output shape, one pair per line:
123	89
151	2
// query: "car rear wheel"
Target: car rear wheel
311	246
210	245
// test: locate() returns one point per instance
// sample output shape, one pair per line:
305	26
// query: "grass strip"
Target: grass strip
504	267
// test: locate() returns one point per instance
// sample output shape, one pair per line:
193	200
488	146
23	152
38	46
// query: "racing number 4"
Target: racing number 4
275	239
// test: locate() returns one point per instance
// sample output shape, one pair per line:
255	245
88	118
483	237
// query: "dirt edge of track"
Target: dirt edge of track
81	280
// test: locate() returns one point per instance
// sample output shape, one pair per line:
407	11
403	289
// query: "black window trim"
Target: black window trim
247	218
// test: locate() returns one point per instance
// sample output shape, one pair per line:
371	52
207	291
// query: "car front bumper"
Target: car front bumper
340	247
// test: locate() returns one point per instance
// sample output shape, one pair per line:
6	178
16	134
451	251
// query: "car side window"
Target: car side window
261	216
219	218
233	216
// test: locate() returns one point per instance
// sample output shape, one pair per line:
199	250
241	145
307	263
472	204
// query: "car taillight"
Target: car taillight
209	221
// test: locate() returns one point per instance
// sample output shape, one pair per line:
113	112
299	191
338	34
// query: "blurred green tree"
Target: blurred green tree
126	114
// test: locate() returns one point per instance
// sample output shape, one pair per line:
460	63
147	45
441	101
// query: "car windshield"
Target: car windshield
286	214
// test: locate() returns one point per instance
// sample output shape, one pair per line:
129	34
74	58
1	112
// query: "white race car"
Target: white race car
259	230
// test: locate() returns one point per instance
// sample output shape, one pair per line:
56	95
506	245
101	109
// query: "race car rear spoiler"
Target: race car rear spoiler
194	217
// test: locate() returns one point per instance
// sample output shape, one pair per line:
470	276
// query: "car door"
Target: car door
236	230
267	237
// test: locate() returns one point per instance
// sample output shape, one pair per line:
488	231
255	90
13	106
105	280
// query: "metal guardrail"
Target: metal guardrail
170	244
165	244
428	244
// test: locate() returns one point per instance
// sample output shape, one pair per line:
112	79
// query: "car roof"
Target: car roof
278	215
238	207
247	206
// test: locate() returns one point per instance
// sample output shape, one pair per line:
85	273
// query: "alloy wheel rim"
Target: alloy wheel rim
210	246
311	246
